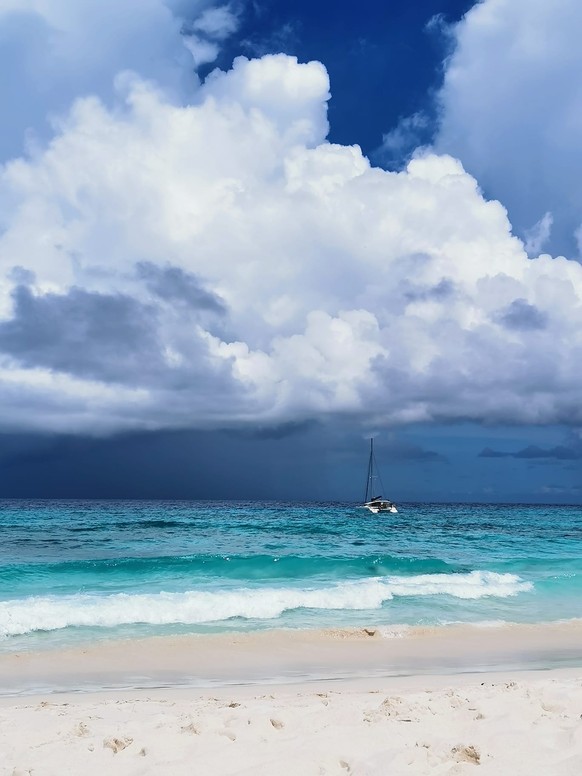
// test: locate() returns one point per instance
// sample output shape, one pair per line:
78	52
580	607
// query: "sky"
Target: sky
239	239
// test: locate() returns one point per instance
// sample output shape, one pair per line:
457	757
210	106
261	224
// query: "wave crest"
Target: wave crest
48	613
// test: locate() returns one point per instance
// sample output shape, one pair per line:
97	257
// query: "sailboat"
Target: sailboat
375	503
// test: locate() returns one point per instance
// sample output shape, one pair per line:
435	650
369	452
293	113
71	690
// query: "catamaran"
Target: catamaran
376	503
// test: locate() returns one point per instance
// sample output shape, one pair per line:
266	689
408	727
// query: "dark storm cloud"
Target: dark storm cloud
31	451
173	284
279	431
102	336
166	464
522	316
321	463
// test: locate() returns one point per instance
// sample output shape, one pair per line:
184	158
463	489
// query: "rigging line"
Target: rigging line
369	474
382	491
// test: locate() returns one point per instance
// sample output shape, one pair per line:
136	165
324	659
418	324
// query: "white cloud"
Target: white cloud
58	50
403	139
221	263
512	110
218	23
537	237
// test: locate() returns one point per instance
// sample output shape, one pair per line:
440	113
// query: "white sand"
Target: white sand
453	725
517	722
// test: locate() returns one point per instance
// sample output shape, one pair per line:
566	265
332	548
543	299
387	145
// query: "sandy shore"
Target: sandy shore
291	656
497	723
420	701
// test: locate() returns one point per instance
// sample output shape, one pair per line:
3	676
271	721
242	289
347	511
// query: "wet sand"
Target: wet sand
290	656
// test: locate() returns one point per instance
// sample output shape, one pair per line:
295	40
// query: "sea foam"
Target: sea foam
49	613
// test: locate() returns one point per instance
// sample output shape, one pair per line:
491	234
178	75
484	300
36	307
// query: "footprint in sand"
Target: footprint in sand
117	744
277	724
391	707
81	730
466	754
191	728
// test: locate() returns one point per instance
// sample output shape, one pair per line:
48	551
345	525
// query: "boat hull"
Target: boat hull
382	506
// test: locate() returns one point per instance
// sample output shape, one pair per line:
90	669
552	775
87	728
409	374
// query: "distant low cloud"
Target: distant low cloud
403	451
560	453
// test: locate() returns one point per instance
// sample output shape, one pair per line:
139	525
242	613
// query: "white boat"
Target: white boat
376	503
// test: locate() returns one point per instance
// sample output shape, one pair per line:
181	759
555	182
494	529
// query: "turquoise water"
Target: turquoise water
77	571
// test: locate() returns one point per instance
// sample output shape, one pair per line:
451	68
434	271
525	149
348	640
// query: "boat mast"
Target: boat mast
370	472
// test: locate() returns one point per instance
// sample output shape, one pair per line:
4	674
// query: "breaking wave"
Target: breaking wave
49	613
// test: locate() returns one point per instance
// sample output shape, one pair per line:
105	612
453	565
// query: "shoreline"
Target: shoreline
286	657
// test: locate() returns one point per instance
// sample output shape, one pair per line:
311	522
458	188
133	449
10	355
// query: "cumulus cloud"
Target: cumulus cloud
511	110
57	50
219	263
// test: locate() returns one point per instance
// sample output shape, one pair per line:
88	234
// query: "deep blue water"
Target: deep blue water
73	571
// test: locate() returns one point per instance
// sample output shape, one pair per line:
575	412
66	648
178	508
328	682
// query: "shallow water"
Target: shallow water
75	571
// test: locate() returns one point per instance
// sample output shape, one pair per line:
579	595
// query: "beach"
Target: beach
518	723
260	704
237	638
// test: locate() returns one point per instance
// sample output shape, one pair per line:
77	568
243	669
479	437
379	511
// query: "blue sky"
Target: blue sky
384	59
244	237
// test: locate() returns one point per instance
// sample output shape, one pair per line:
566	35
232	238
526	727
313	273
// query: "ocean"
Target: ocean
73	572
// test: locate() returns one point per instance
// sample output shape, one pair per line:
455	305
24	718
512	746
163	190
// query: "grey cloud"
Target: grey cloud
21	276
173	284
278	431
120	342
444	289
522	316
102	336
